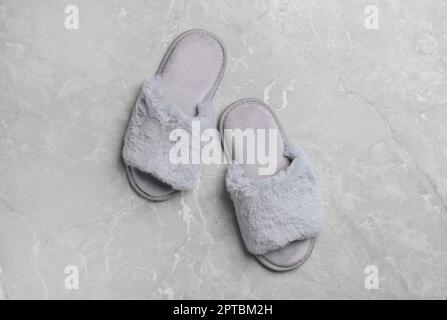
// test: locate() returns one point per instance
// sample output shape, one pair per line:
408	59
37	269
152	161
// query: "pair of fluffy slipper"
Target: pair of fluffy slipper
279	215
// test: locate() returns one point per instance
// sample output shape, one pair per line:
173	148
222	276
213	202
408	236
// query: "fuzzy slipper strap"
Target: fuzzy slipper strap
147	142
276	210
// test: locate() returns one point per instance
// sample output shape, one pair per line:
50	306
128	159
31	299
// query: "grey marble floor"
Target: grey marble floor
362	89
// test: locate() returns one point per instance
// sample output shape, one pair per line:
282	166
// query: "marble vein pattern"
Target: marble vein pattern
366	99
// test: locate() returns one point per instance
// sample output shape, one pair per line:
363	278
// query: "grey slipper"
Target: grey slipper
278	214
180	92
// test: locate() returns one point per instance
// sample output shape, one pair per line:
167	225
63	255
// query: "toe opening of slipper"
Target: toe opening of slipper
289	257
148	186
